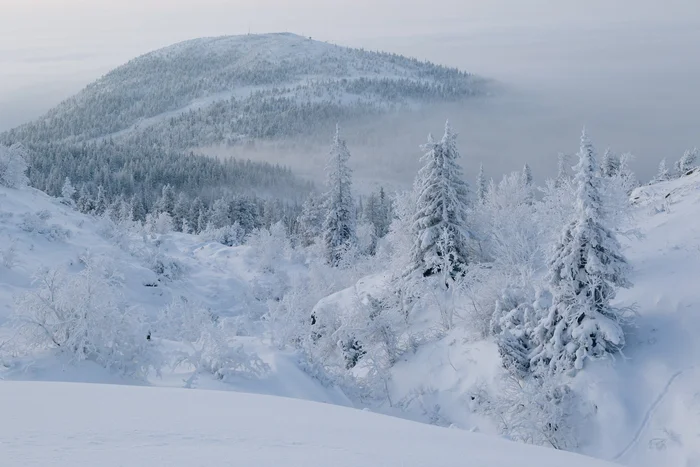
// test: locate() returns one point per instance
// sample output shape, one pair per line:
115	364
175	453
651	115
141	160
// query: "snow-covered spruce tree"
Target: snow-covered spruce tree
562	175
68	193
585	270
339	224
440	219
610	165
311	219
527	182
481	186
13	166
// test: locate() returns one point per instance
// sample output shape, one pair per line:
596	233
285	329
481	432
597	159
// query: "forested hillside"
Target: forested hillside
140	129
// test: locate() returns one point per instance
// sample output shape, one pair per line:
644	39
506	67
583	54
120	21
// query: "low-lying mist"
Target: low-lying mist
634	87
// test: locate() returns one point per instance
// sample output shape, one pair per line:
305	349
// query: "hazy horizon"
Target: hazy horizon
628	71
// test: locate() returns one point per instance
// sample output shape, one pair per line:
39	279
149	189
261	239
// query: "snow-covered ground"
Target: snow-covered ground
644	407
83	425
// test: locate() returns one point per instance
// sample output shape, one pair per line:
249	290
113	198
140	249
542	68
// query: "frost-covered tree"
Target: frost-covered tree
100	202
220	214
562	175
527	175
610	164
339	224
82	316
85	201
586	268
167	201
13	166
662	174
311	219
481	186
181	211
68	193
440	226
687	162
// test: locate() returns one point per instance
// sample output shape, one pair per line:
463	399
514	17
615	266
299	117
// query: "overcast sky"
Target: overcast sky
628	67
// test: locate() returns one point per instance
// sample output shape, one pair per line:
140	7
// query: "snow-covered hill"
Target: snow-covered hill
81	425
641	409
222	89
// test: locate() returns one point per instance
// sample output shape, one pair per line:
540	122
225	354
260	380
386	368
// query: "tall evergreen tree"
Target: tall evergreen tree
440	220
585	270
339	223
481	188
311	219
100	202
561	169
68	193
610	165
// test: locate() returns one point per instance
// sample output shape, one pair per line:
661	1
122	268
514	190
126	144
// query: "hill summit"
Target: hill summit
226	89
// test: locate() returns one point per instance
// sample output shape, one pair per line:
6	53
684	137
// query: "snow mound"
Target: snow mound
87	425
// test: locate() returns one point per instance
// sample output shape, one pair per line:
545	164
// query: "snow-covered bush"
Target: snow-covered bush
164	265
13	166
81	315
208	348
229	235
512	234
534	411
269	247
36	223
8	255
161	223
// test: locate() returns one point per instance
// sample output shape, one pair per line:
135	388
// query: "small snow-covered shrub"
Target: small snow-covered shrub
81	315
269	247
536	411
13	166
8	255
208	348
165	266
36	223
229	235
161	223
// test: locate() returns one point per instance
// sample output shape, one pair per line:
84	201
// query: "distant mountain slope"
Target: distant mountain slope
143	125
225	89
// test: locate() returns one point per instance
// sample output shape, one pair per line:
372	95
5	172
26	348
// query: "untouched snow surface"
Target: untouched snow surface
76	425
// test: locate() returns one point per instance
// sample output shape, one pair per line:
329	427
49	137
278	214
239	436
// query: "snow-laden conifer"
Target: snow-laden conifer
68	193
481	186
586	268
339	224
440	220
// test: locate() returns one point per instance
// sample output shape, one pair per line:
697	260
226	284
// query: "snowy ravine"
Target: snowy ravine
644	407
81	425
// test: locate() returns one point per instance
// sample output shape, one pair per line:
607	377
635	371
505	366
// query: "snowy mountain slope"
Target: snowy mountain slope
149	272
641	409
214	90
86	425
